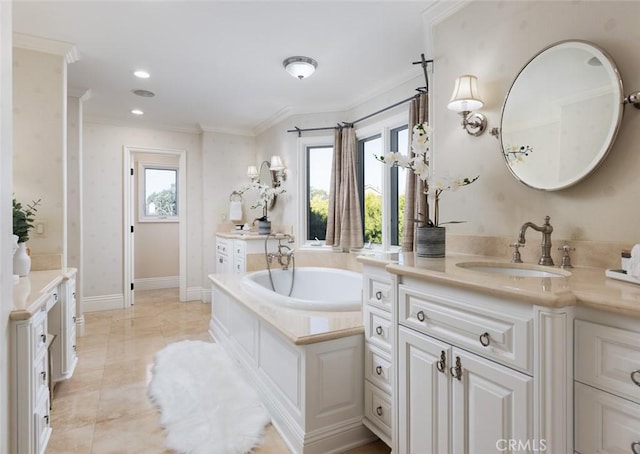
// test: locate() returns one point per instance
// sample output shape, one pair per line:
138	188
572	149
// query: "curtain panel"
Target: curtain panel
344	220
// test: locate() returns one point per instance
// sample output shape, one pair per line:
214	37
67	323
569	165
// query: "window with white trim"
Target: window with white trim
158	193
382	189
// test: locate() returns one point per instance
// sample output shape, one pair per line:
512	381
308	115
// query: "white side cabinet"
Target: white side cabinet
378	300
607	389
62	322
232	251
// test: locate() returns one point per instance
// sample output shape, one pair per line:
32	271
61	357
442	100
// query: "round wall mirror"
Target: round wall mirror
561	115
266	178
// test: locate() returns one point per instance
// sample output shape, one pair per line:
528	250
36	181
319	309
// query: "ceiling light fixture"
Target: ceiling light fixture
300	67
141	74
143	93
137	112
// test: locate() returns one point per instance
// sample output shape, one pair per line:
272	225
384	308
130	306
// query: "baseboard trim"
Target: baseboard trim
155	283
102	303
197	294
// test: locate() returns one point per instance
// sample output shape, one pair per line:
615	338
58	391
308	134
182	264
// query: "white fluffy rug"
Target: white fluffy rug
206	406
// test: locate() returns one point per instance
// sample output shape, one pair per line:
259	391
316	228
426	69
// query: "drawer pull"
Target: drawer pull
379	411
484	339
456	371
442	364
420	316
43	337
44	376
74	319
379	370
635	447
46	419
379	330
220	260
379	295
635	377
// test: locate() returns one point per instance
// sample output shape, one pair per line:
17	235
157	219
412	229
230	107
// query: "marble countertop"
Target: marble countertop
583	286
301	327
247	235
32	291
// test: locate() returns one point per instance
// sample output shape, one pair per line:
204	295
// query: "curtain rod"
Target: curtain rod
344	124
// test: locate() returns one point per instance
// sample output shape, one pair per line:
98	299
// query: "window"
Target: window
319	161
158	189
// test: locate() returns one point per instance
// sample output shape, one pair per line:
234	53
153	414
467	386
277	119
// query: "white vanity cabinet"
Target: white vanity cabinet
378	300
450	399
607	389
232	251
62	320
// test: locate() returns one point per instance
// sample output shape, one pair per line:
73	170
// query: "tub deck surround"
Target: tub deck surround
586	286
32	291
300	327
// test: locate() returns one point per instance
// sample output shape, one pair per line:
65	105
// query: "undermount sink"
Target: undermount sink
514	269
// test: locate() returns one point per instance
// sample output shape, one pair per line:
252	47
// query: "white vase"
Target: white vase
21	261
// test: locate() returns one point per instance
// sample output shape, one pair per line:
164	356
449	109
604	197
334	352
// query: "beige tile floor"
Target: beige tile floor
104	407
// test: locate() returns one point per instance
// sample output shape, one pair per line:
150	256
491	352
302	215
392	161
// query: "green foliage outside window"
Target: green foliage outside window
164	202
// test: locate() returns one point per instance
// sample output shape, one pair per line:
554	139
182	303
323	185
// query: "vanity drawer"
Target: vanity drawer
39	334
223	246
605	424
378	292
41	377
42	424
377	328
498	335
239	249
608	358
377	367
377	408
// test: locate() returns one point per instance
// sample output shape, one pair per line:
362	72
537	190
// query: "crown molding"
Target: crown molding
140	124
231	131
82	93
48	46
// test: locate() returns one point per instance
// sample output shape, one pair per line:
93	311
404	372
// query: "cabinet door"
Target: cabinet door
492	406
423	392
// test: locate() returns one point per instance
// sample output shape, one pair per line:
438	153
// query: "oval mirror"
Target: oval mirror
266	178
561	115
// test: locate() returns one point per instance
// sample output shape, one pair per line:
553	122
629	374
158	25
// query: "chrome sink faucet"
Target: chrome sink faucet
546	229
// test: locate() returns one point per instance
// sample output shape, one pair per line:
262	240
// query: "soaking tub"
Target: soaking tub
314	289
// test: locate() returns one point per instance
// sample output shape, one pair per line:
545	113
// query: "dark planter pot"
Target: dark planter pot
430	242
264	227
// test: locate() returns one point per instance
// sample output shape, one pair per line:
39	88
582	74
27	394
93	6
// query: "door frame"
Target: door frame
129	217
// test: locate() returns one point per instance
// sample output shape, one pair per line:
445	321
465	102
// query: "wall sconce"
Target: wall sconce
252	173
278	168
464	100
276	172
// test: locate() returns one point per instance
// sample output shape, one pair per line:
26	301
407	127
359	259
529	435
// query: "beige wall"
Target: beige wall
157	244
494	40
39	142
103	202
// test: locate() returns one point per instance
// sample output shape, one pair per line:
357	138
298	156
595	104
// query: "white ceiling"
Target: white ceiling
218	65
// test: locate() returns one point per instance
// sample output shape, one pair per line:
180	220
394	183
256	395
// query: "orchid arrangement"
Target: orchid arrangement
434	185
266	194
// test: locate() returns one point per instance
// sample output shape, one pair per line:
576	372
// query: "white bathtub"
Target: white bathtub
315	289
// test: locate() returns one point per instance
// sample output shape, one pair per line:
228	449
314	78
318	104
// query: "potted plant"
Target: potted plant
266	195
23	217
430	235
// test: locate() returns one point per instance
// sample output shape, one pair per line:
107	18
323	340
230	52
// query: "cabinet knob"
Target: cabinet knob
43	337
442	364
484	339
379	411
379	330
74	319
456	371
420	316
379	370
635	447
379	295
220	260
635	377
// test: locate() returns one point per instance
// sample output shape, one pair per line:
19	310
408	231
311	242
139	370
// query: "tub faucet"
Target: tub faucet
546	229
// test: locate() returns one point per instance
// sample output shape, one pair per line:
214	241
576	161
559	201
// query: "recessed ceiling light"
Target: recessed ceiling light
143	93
137	112
142	74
